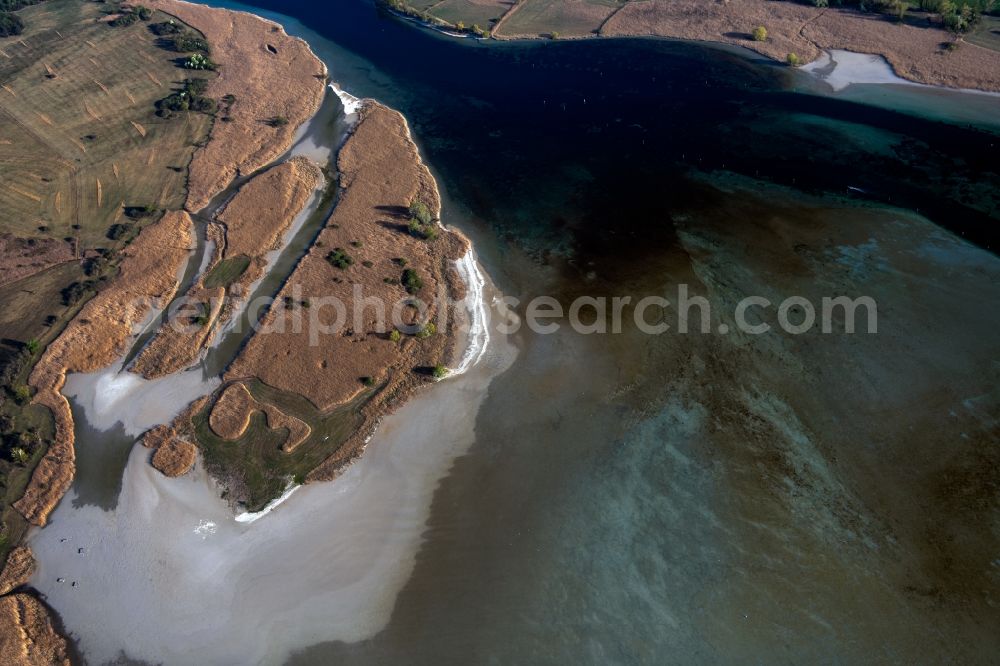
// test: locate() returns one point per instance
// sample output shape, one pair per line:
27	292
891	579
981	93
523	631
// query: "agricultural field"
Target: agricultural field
80	142
522	18
573	18
483	13
85	163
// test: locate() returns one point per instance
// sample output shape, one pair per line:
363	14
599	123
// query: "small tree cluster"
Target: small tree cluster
166	28
422	223
411	281
10	24
339	258
190	98
131	16
199	62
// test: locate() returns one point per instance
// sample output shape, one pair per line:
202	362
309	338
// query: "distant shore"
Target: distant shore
917	49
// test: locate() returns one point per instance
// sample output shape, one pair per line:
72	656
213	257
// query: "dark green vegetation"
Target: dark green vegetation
422	223
130	16
10	23
254	467
25	435
226	272
339	258
178	38
412	281
190	97
958	16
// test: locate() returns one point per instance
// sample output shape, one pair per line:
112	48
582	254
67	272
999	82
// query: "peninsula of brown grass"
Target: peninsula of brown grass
359	365
276	84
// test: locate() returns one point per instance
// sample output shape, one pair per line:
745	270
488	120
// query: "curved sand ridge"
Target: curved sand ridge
230	417
271	74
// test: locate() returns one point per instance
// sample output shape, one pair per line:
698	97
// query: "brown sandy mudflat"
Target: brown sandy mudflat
95	338
272	76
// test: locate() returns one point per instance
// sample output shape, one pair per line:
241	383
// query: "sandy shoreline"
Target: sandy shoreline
328	569
840	69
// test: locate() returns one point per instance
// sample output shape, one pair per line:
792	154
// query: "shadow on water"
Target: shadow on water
101	457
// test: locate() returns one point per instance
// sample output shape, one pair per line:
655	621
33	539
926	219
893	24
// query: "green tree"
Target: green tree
420	212
22	394
759	34
427	331
10	24
395	336
412	281
439	371
20	455
793	60
339	258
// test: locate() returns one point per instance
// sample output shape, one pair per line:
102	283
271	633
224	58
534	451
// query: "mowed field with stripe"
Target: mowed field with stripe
79	138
